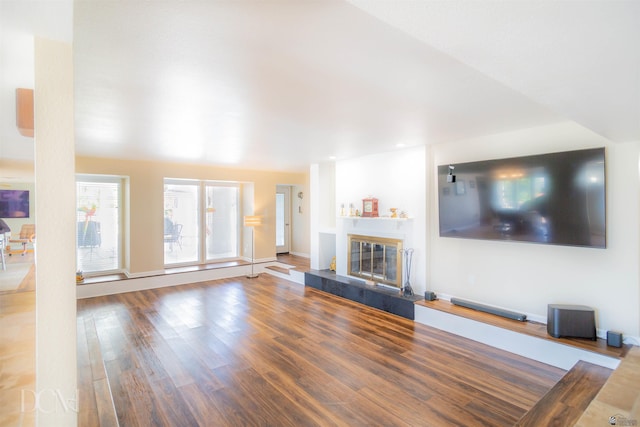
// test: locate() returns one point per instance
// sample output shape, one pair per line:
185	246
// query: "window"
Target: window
222	218
201	221
98	238
181	220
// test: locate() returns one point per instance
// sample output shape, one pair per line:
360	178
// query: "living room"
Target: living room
541	117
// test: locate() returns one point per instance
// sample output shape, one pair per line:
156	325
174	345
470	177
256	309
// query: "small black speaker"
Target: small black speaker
614	339
430	296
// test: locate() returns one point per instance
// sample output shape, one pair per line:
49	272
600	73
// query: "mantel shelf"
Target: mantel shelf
377	218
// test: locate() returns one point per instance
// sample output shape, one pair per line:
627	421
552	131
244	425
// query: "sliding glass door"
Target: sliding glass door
181	222
98	220
201	221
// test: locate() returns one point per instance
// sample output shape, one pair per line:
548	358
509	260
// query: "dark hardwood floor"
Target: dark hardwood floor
268	352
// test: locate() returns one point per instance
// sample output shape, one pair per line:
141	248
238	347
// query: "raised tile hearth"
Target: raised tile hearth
380	297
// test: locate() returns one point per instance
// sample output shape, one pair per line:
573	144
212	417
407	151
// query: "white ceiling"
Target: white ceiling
580	59
20	21
282	84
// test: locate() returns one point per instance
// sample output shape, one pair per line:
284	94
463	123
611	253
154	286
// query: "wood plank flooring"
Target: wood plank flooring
568	399
268	351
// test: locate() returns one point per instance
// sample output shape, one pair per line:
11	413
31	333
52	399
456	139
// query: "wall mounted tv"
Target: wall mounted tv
556	198
14	203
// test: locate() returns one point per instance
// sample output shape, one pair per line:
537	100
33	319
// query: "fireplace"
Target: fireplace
378	259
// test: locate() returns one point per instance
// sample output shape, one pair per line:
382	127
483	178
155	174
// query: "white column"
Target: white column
56	367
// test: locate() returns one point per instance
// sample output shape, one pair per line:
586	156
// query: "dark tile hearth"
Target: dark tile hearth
379	297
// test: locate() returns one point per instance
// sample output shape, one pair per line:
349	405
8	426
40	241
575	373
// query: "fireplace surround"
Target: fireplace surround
378	259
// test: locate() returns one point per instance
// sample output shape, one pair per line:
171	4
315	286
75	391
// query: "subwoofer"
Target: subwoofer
574	321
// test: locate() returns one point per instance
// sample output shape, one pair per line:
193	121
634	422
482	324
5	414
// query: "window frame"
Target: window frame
202	220
109	179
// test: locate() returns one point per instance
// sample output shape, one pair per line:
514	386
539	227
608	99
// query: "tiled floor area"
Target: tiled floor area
17	347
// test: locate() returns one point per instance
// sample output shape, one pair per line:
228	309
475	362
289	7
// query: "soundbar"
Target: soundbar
488	309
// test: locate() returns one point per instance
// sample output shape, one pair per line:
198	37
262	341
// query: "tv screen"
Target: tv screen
14	204
556	198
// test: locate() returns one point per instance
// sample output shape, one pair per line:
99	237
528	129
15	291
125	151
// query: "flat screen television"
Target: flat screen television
556	198
14	203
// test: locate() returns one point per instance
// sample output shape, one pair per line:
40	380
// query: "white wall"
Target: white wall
322	214
526	277
300	221
398	180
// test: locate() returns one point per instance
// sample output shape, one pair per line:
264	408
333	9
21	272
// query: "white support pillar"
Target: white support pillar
56	366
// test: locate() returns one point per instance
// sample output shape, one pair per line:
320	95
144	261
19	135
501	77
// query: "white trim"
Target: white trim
143	274
545	351
259	260
104	272
631	340
90	290
160	279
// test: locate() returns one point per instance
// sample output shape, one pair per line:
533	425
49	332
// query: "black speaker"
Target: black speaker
576	321
614	339
430	296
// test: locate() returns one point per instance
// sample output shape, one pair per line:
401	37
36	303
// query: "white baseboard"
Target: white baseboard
258	260
545	351
144	274
90	290
159	279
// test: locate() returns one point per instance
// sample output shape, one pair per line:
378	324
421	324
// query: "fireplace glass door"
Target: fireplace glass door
375	258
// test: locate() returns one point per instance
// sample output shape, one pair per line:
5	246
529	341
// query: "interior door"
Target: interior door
283	218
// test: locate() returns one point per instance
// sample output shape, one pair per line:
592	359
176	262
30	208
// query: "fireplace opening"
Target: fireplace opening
378	259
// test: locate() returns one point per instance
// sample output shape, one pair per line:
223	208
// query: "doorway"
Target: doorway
283	219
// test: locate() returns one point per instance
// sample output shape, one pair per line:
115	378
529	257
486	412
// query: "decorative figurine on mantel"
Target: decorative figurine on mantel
406	287
394	212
